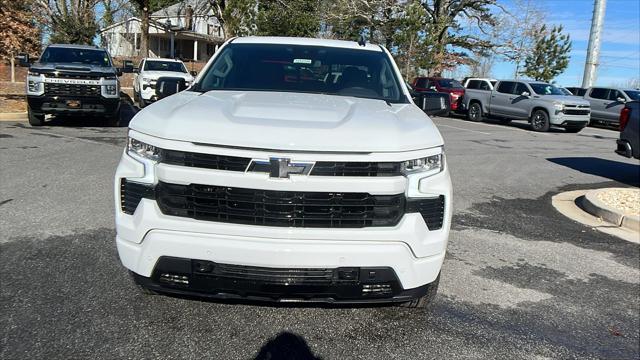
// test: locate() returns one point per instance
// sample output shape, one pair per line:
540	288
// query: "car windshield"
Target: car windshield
164	66
75	56
565	91
299	68
450	83
633	94
545	89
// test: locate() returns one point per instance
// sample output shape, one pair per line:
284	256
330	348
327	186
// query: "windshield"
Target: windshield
75	56
450	83
164	66
299	68
545	89
565	91
633	94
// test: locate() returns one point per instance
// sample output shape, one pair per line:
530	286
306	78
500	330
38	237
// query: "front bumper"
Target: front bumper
565	120
45	104
410	249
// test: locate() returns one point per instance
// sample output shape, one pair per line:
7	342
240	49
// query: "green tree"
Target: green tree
288	18
71	21
550	56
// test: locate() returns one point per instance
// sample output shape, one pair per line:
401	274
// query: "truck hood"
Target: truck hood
155	75
565	99
77	69
288	121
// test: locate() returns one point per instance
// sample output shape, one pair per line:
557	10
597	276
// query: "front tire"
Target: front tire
35	119
540	121
475	112
425	302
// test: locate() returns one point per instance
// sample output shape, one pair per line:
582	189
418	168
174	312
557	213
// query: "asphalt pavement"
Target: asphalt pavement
520	280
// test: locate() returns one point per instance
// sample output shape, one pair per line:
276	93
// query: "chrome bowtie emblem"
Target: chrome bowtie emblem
280	167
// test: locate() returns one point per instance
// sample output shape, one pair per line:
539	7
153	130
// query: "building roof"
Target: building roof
305	41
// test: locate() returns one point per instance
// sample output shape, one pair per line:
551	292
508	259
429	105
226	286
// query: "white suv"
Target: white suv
148	73
292	170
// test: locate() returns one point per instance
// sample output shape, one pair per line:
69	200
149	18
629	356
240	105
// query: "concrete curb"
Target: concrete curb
591	204
13	116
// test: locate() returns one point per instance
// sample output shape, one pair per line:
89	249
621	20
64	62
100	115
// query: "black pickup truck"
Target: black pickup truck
73	80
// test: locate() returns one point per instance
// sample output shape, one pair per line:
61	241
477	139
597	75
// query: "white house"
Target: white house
195	29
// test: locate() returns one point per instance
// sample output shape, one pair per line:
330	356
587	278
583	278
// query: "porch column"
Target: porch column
195	50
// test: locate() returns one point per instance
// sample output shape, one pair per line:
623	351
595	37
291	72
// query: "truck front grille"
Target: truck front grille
279	208
320	168
71	89
577	111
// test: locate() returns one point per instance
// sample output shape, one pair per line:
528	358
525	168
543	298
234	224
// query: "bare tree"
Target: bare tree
70	21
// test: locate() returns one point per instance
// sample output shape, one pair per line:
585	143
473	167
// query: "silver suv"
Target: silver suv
606	103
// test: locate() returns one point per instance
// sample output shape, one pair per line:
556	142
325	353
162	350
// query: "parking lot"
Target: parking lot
520	280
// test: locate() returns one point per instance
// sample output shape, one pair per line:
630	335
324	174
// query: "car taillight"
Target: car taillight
624	117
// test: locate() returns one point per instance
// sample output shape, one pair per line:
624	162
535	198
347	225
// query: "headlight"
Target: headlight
558	106
34	87
33	73
432	164
146	80
146	151
111	89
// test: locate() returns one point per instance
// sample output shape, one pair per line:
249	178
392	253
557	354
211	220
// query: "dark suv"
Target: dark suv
73	79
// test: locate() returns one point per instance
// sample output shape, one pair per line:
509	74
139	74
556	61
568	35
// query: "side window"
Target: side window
505	87
421	83
614	94
473	84
599	93
483	85
520	88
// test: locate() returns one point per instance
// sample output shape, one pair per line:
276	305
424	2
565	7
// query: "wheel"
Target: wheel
504	121
114	119
475	112
141	102
426	301
35	119
574	129
540	121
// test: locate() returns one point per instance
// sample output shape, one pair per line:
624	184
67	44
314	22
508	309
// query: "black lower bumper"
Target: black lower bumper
100	106
346	285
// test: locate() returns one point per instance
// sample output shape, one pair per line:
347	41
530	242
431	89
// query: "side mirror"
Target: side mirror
193	73
23	60
127	66
620	99
119	72
167	86
525	94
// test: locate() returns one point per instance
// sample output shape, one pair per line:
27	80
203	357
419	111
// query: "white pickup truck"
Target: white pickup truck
293	169
542	104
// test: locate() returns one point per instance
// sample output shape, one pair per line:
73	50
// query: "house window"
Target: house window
210	49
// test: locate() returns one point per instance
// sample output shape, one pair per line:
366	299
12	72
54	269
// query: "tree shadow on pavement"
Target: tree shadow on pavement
622	172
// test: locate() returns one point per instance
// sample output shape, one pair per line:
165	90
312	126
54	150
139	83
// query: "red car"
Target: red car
453	87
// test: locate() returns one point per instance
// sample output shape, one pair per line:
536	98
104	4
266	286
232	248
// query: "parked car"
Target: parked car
432	103
577	91
148	73
479	83
629	142
606	103
262	184
73	80
542	104
449	86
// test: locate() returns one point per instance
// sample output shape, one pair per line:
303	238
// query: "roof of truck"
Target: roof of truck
305	41
75	46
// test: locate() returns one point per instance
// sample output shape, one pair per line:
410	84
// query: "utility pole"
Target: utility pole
593	51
